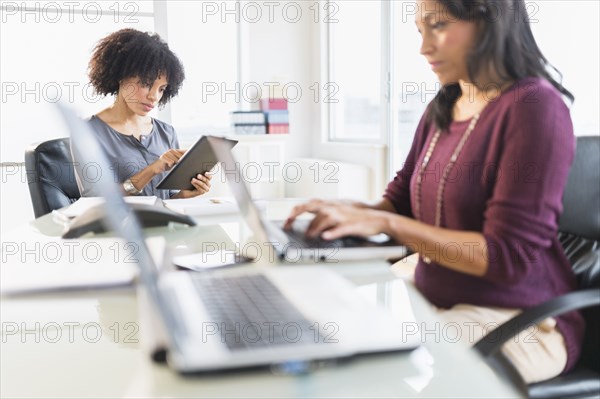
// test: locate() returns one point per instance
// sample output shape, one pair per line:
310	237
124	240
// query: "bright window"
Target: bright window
363	43
206	43
353	92
414	84
45	47
44	51
568	34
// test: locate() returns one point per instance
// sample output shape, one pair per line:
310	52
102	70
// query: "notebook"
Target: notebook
259	315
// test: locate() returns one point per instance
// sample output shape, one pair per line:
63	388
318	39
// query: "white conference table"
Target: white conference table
90	343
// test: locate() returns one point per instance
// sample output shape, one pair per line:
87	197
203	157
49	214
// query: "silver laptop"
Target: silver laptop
293	245
249	316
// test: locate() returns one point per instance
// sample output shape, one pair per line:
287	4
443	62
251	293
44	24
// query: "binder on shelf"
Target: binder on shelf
248	118
271	121
278	128
270	104
249	122
277	117
276	114
250	129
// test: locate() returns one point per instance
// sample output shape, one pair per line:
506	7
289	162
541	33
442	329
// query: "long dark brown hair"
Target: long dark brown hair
505	40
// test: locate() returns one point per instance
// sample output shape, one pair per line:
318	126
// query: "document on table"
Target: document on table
67	264
85	203
206	206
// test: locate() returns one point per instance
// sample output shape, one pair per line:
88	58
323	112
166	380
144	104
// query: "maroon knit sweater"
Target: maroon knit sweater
507	184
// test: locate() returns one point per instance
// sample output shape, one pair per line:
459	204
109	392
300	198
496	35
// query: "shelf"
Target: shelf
256	137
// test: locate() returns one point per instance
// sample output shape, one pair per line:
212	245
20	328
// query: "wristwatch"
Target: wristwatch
130	188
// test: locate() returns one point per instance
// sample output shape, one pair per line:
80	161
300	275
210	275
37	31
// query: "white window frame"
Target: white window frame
328	108
398	143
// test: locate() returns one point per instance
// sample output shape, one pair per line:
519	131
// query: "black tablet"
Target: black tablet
200	158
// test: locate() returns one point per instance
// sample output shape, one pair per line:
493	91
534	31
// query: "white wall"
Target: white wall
281	51
290	53
15	202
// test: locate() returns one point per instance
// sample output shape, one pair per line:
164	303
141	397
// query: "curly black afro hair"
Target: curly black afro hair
130	53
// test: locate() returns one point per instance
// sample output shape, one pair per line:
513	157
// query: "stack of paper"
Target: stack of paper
85	203
203	206
61	264
74	264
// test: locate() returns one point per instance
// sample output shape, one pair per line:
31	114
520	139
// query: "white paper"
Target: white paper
206	260
85	203
144	200
206	206
81	205
67	264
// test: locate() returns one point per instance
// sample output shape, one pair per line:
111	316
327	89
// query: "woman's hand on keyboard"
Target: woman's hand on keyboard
334	219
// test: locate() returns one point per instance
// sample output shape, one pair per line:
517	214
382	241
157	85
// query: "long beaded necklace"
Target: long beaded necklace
440	191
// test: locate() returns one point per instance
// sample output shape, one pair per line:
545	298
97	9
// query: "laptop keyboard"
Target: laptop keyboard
250	312
300	238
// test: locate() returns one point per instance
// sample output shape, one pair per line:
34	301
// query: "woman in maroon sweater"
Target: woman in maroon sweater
479	196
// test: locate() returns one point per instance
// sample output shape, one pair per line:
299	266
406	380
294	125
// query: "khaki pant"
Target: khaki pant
539	353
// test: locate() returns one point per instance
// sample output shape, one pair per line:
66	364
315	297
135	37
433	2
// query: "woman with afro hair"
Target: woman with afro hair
141	71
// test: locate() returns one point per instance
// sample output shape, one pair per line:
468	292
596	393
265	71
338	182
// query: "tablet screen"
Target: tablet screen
200	158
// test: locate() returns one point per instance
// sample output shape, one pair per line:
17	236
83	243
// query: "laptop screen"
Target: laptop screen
239	189
118	215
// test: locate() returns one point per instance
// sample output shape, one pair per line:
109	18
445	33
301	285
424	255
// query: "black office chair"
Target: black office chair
50	175
579	234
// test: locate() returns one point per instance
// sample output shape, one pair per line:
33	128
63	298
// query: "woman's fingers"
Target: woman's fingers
201	183
358	222
200	186
324	219
339	231
170	158
312	206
